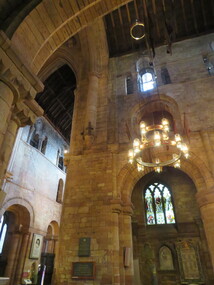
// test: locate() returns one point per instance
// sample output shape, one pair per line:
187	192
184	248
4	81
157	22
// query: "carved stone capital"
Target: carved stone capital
116	206
205	197
23	115
15	74
128	209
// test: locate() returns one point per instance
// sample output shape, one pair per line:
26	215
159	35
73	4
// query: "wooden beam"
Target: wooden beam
203	13
130	23
194	16
184	16
155	17
174	18
136	10
114	33
146	23
121	24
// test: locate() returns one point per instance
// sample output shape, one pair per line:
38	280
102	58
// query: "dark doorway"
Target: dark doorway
47	259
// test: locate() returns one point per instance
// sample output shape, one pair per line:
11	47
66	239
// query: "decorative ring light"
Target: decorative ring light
154	137
137	24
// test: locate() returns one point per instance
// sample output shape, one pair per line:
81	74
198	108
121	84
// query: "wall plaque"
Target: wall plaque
84	247
83	270
189	262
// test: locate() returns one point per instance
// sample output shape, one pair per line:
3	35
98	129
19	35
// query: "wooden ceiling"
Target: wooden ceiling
166	21
57	99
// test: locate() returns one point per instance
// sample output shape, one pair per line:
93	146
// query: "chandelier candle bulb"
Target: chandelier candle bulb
165	137
186	155
142	125
156	135
165	122
136	143
177	164
177	138
131	153
179	144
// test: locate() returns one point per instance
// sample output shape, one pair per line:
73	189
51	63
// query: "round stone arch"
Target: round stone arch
151	104
54	228
22	202
193	167
37	41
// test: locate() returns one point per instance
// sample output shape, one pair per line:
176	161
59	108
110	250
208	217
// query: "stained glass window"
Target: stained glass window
3	231
158	205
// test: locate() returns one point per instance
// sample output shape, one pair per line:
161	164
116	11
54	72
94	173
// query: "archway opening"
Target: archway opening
163	249
16	221
49	253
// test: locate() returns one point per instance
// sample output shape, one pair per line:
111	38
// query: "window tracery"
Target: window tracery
158	204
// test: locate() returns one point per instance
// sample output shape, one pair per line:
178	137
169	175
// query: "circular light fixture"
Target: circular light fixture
156	137
135	27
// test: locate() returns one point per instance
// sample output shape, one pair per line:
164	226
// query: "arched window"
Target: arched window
60	191
3	231
158	204
35	140
44	145
146	79
129	85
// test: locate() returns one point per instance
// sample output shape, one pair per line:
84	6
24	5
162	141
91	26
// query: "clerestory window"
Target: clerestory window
146	79
158	205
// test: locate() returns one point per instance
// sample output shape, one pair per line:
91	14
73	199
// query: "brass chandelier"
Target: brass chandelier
155	139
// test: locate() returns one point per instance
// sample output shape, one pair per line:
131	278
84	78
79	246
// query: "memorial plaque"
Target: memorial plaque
189	262
84	247
83	270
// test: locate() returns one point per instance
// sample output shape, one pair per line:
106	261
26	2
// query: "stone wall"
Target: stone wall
31	189
188	226
100	181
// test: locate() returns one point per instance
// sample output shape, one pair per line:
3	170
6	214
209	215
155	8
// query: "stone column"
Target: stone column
116	246
6	101
91	109
12	256
205	201
21	116
7	146
126	242
21	257
208	148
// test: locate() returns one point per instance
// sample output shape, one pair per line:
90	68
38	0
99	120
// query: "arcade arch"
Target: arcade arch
15	245
187	229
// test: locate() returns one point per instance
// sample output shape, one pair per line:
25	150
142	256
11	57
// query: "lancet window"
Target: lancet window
158	205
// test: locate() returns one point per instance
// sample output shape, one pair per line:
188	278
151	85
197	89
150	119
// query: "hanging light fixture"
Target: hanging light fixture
155	139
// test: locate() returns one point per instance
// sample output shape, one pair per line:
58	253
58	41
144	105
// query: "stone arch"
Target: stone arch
151	104
61	57
60	23
194	167
54	226
166	258
22	202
